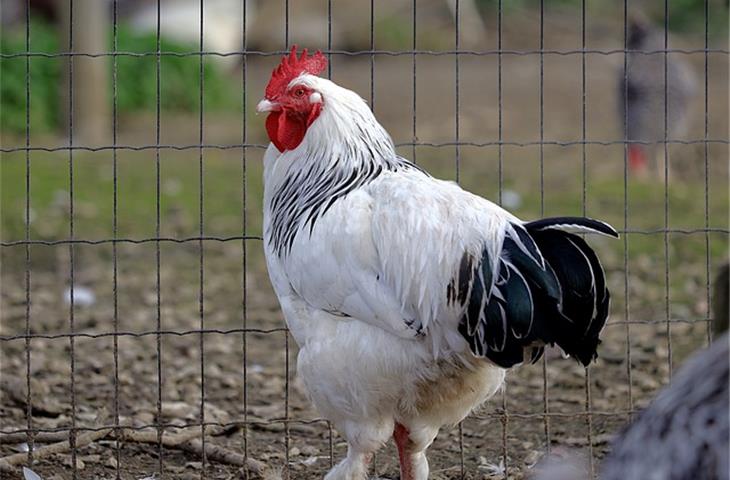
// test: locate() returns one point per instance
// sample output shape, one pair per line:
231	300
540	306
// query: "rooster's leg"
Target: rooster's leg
364	438
354	467
402	442
412	451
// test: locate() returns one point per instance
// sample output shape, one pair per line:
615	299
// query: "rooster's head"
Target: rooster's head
291	102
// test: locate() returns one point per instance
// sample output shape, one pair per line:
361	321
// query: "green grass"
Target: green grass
222	196
93	184
223	210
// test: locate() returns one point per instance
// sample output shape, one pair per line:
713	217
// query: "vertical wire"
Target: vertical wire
583	93
72	323
542	112
201	298
666	192
158	260
627	327
287	432
457	166
584	171
413	104
372	55
708	300
457	147
500	149
330	430
331	444
28	390
505	422
244	226
115	269
286	24
545	397
329	39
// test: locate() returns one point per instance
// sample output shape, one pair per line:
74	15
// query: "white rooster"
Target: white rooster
408	296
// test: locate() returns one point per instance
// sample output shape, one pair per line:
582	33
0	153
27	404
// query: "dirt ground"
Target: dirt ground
267	393
235	374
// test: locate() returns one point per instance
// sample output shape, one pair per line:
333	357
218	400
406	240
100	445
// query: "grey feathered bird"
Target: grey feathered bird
641	95
683	433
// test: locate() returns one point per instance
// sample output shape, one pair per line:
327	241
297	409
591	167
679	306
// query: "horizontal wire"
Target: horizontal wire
129	240
137	241
180	426
356	53
173	333
282	420
661	321
581	413
230	146
264	331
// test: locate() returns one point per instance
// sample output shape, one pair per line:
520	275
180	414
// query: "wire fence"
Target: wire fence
207	429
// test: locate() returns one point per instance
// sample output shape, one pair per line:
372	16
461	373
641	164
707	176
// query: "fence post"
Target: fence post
91	99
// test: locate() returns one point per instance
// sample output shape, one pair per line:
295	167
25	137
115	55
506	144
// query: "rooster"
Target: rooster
408	296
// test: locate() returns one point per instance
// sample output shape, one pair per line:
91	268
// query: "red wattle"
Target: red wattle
272	127
286	130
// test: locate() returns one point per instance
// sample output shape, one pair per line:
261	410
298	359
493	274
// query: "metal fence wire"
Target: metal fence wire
459	450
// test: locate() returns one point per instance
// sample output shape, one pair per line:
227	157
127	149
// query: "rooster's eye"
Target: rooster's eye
299	92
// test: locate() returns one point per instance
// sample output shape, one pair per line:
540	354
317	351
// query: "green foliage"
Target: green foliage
45	77
393	32
689	15
136	78
179	76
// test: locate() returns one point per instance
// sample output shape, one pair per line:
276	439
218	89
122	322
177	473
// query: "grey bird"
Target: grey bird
683	433
641	96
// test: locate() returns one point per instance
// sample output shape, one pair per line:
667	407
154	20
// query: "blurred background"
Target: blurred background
162	184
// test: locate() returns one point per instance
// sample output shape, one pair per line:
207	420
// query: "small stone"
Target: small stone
68	461
309	450
94	458
143	419
294	452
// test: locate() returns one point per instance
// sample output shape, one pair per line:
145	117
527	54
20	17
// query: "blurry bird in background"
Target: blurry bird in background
683	433
641	95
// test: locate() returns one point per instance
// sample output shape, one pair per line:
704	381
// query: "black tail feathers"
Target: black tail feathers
546	287
584	304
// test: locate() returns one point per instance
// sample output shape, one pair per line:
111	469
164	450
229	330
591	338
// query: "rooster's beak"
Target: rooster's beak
267	106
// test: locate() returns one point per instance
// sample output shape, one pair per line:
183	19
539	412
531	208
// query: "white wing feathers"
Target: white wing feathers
422	229
398	244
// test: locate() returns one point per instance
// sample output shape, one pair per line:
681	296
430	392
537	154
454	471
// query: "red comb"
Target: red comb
291	67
